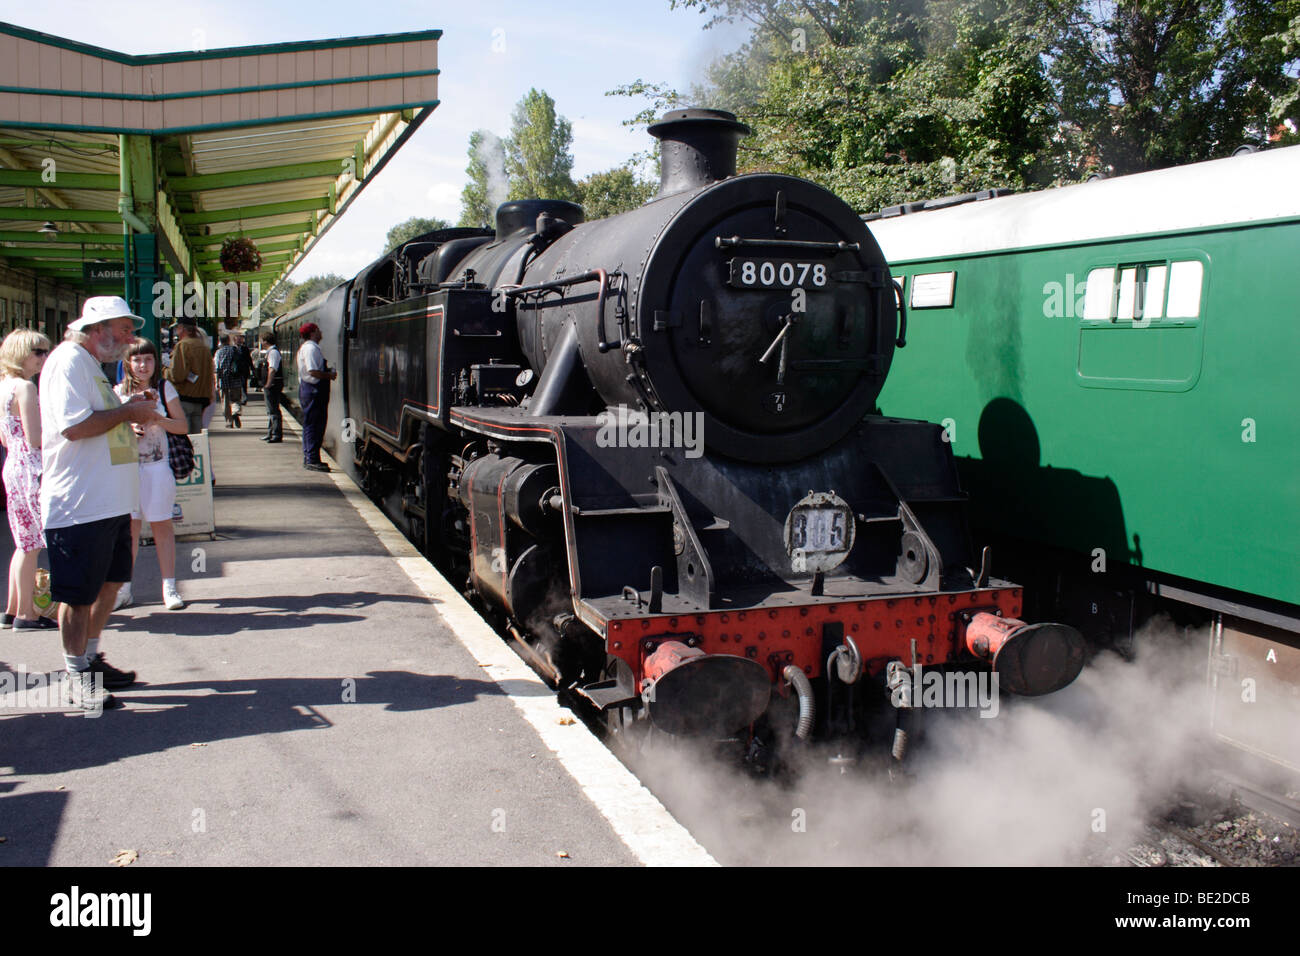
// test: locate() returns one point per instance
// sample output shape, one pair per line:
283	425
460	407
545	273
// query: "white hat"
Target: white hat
101	308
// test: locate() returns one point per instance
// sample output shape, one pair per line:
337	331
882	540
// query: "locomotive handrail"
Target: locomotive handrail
902	315
728	242
564	283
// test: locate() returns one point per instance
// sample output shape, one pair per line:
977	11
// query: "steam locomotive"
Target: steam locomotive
648	445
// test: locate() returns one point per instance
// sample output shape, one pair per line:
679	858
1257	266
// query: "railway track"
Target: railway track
1278	805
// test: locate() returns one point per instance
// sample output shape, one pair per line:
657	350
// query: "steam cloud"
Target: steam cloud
491	153
1021	789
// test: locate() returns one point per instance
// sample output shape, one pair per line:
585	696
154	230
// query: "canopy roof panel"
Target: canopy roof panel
269	142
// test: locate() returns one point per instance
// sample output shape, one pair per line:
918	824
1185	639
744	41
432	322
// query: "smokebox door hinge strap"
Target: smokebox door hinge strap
694	569
914	537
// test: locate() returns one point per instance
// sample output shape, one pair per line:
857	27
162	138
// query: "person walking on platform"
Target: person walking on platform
89	487
231	376
272	389
157	483
21	357
246	358
191	372
314	393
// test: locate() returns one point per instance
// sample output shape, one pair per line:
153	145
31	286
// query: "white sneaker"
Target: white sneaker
172	599
123	597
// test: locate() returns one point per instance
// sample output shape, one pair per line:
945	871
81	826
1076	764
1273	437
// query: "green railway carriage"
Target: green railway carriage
1117	366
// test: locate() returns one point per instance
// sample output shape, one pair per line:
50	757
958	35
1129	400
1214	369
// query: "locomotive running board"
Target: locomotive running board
607	694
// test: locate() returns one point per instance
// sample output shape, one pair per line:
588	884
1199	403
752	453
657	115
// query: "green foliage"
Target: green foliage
1285	112
488	186
613	191
1160	82
537	157
415	226
291	295
886	101
305	291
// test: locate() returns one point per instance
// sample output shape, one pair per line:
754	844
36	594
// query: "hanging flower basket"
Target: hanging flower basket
240	255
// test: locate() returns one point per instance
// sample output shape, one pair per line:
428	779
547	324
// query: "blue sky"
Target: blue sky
574	50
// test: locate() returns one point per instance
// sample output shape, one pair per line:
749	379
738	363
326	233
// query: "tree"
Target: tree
1285	113
613	191
408	230
290	295
888	100
538	161
1160	82
310	288
488	184
885	101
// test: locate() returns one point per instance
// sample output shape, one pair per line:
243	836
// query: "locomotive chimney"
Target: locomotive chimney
697	147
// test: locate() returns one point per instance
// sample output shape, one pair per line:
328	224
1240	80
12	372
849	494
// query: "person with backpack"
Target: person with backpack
231	376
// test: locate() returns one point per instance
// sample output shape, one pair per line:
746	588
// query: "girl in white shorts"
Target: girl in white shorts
141	371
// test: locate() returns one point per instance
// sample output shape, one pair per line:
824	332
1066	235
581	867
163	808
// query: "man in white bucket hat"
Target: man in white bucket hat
89	486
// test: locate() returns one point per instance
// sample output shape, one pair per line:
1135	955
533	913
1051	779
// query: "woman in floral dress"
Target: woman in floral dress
22	354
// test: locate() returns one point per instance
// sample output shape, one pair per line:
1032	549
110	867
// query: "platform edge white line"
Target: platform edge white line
636	815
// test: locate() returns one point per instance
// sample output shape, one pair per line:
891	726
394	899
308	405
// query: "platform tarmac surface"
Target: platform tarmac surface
241	745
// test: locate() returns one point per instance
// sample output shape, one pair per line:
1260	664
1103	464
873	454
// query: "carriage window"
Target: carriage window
1141	292
1185	290
1097	299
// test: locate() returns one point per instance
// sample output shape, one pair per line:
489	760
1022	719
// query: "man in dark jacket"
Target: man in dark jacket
245	357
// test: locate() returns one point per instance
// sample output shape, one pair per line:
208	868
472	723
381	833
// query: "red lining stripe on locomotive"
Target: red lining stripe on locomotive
501	519
402	317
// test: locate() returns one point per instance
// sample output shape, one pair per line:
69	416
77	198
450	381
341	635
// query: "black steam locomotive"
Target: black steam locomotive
647	443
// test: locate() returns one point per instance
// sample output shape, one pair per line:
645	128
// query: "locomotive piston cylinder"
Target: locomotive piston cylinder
1029	659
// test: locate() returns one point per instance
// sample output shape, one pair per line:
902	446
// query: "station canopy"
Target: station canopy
119	170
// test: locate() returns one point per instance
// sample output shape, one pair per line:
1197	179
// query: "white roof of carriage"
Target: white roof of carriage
1240	189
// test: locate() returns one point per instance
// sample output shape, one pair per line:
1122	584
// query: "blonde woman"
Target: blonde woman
22	354
140	374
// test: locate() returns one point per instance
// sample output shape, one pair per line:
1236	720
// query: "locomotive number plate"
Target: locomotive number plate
819	530
777	274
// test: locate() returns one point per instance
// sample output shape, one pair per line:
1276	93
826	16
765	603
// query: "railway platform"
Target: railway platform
324	699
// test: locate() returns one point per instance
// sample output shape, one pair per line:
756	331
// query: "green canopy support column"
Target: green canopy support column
137	206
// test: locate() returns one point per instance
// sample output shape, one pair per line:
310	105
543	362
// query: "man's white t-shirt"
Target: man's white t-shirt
92	478
310	359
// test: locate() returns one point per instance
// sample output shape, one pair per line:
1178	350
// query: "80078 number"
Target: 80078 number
777	274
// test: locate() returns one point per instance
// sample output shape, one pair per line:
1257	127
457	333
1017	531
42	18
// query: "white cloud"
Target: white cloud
446	200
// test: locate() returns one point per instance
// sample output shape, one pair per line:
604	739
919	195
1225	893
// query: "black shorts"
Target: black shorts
84	557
